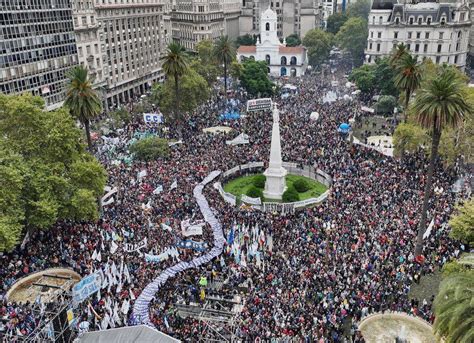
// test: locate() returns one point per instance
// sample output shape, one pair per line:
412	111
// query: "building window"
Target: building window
293	60
443	20
459	35
428	20
439	47
418	35
370	46
438	59
84	20
397	20
379	34
441	34
462	16
267	27
457	46
420	20
380	20
425	48
456	59
267	59
417	47
371	34
283	59
395	34
409	46
411	20
378	47
427	35
409	35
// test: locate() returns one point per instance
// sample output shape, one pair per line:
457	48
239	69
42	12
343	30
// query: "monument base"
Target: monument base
275	185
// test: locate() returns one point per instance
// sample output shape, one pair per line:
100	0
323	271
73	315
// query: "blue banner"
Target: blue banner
86	287
189	244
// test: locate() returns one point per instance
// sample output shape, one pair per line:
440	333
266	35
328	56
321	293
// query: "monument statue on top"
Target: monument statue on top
275	185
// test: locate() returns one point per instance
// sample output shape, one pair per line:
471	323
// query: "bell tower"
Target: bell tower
268	28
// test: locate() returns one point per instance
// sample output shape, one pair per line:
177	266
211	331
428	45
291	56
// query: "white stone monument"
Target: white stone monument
275	185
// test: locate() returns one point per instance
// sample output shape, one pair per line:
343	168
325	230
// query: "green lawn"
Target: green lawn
242	184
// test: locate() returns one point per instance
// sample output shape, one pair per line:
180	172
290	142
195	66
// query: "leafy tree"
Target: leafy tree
439	104
335	22
45	173
386	104
194	90
255	79
175	65
290	195
462	223
454	308
385	77
120	117
364	78
245	40
236	69
360	8
408	137
301	185
259	181
224	50
407	77
150	148
206	63
293	40
255	192
318	43
82	100
352	37
453	267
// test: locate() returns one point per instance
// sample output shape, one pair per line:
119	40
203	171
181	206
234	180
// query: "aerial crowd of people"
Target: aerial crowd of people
317	272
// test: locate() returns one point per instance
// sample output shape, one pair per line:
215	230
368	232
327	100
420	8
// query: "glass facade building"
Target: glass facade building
37	48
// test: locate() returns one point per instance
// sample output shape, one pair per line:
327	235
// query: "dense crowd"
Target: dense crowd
325	268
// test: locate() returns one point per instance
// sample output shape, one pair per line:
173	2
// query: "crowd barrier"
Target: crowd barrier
292	168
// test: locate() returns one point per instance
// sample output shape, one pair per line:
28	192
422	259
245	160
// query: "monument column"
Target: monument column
275	185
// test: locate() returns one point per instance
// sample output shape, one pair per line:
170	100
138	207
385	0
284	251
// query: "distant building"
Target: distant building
293	16
439	31
37	48
90	43
197	20
281	60
135	37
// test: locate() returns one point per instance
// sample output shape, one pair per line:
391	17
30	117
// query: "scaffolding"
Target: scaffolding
49	310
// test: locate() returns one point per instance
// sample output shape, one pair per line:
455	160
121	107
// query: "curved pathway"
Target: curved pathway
141	313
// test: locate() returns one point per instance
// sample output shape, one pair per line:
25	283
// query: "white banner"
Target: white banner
240	139
191	229
249	200
128	247
259	104
153	118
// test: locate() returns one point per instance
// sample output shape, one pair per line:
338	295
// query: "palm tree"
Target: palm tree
441	103
407	77
397	54
82	100
175	65
224	50
453	306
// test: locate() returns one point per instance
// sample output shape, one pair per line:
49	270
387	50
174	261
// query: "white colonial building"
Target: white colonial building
439	31
281	60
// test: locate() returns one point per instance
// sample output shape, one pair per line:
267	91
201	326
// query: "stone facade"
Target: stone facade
293	16
439	31
281	60
37	48
135	38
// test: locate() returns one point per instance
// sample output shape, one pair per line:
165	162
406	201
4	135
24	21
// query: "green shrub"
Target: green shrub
150	148
301	185
386	104
291	195
254	192
259	181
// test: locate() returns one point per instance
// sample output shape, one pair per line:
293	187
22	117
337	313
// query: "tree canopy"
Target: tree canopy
45	173
335	22
462	223
318	43
352	37
378	77
360	8
150	148
194	90
254	78
293	40
245	40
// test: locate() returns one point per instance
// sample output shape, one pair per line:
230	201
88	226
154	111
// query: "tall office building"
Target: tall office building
37	48
135	38
294	16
